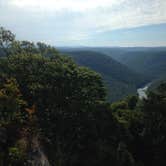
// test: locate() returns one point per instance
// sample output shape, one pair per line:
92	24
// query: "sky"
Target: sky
125	23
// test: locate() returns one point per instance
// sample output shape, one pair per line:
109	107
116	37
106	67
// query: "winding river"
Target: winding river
142	91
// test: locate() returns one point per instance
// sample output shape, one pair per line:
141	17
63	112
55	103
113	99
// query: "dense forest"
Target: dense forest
123	69
119	80
149	61
54	112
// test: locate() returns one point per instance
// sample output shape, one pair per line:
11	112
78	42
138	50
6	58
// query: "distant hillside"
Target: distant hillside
144	60
148	61
120	80
157	82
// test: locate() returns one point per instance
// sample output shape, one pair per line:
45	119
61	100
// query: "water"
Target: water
142	91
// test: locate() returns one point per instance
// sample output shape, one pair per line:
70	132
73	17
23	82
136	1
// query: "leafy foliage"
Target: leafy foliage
119	79
150	62
54	110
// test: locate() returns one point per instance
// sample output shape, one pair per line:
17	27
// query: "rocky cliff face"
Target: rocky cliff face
37	156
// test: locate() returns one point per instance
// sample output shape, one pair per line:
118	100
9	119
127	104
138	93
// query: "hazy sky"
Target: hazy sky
87	22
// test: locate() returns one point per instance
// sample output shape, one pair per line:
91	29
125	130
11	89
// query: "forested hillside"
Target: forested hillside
54	112
148	61
119	79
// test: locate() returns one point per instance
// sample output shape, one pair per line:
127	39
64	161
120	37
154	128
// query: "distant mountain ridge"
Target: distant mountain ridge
119	79
144	60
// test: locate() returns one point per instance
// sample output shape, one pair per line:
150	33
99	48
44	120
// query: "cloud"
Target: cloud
129	14
58	5
75	21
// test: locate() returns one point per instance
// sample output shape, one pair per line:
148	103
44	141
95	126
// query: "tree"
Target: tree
6	39
12	116
155	127
132	101
10	101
